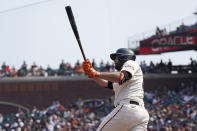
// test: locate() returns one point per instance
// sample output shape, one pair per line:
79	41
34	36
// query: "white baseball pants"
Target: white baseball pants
126	117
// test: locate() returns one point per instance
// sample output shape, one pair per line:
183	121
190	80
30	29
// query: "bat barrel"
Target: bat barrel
74	28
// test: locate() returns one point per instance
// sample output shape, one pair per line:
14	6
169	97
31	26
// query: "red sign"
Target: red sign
166	43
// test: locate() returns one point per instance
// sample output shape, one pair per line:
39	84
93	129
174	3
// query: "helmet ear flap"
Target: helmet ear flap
133	57
113	56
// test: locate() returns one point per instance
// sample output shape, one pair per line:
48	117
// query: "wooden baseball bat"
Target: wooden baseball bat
74	28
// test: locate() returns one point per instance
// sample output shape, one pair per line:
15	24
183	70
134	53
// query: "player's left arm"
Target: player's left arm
125	74
118	77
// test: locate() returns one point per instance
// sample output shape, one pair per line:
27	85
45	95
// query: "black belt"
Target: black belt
134	102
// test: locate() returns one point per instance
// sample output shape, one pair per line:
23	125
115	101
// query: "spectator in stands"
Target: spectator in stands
56	106
7	71
41	71
161	67
192	63
50	71
143	66
102	66
77	63
158	31
177	29
13	72
69	69
24	68
33	70
164	32
3	66
78	68
169	66
108	67
79	102
182	27
151	67
161	64
62	68
94	64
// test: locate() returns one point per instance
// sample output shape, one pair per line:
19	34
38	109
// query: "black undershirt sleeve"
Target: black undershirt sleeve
110	85
126	77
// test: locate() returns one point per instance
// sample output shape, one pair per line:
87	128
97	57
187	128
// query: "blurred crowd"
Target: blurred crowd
168	67
179	29
174	109
80	116
169	109
66	69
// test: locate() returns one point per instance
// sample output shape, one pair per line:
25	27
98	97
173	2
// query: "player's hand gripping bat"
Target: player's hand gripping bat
74	28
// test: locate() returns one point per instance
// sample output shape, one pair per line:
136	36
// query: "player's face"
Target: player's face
118	65
116	60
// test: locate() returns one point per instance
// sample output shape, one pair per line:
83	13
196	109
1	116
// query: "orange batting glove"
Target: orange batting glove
86	65
92	73
89	70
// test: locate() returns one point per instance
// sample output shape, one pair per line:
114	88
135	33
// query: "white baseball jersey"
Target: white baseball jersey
131	89
126	116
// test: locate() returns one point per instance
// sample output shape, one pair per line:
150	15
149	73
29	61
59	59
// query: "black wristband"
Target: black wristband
109	85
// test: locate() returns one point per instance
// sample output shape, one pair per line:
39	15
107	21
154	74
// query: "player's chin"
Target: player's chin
118	67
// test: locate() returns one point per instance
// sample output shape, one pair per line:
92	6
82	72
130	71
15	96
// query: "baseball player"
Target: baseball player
129	113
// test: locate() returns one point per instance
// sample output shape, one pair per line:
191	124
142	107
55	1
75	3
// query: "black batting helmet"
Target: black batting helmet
124	54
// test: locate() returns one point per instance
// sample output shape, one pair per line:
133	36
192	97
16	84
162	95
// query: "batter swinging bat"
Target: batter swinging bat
74	28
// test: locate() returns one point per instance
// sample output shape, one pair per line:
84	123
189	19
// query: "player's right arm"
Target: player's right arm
86	66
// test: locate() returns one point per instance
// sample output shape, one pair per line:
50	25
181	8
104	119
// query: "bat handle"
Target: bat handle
80	46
